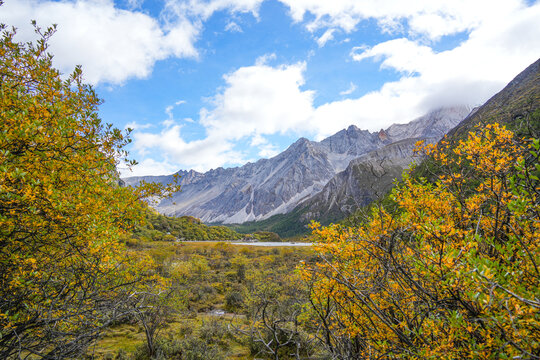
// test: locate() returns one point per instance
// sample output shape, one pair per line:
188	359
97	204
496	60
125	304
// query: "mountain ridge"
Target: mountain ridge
267	187
519	96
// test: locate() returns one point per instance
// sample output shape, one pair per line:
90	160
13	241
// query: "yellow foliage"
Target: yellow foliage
453	273
64	272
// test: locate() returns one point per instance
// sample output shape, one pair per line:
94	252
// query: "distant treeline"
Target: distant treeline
188	228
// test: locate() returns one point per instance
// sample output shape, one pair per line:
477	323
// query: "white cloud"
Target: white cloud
471	72
257	100
111	44
400	54
428	18
203	9
327	36
258	140
233	27
266	149
261	100
168	123
169	109
134	4
150	166
394	102
468	74
265	59
349	91
114	45
211	152
135	125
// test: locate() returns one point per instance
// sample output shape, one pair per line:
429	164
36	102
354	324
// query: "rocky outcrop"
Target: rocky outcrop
366	179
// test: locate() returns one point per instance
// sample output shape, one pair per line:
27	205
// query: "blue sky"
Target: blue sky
209	83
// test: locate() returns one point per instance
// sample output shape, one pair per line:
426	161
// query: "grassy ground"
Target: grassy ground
209	273
130	337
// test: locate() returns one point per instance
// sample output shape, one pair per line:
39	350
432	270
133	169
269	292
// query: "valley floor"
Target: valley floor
220	290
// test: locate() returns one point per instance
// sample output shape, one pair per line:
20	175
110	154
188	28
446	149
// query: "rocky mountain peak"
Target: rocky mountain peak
300	146
352	129
301	142
256	191
434	124
383	136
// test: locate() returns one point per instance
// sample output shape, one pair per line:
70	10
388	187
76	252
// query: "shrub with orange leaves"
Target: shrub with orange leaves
453	273
64	272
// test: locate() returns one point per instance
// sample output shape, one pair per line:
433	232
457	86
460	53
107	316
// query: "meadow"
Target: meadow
219	292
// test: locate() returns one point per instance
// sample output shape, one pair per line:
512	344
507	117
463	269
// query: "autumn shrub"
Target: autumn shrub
234	301
64	271
189	347
194	348
452	273
214	331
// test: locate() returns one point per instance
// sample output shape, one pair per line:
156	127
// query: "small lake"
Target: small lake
271	243
254	243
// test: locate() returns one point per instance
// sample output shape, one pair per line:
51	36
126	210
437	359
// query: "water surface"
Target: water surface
271	243
253	243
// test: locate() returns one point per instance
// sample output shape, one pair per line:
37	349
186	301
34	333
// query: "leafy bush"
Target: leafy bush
453	273
64	272
234	301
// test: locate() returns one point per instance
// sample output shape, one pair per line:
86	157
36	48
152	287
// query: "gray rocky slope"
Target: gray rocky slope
367	178
256	191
